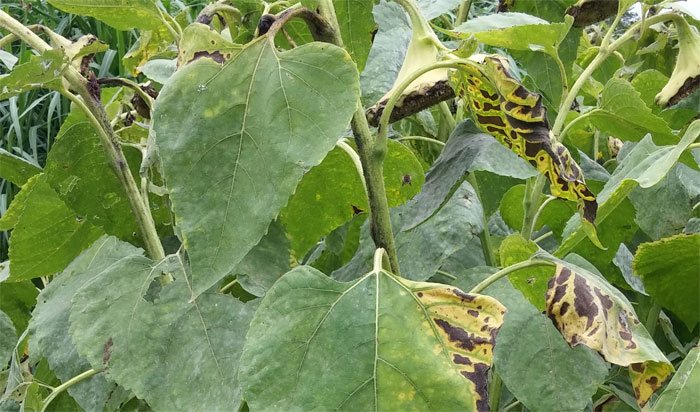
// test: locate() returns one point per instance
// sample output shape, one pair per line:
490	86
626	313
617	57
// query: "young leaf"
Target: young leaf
15	169
333	191
681	393
236	139
49	326
379	343
589	311
120	14
48	234
172	349
44	70
669	269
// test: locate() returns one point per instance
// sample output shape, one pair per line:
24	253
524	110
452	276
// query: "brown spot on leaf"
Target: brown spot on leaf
479	379
465	296
637	367
583	302
420	294
215	55
473	312
564	307
459	336
461	360
107	351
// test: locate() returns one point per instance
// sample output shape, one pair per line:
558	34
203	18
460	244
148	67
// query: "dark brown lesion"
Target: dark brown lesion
479	377
584	302
412	103
460	337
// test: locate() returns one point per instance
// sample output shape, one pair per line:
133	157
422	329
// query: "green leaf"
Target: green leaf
422	249
531	282
356	27
44	70
15	169
669	269
550	10
120	14
681	393
236	140
516	31
537	366
333	191
8	339
159	70
17	300
379	343
151	44
49	327
172	349
48	234
589	311
78	171
622	113
554	214
11	216
467	150
266	262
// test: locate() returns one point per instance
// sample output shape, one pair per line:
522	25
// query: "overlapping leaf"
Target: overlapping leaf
588	311
15	169
681	393
379	343
235	141
44	70
120	14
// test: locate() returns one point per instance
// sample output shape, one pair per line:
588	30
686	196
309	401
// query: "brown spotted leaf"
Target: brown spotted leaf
378	343
589	311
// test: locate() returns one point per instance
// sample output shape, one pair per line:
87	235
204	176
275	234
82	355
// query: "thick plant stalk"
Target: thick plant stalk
372	153
110	142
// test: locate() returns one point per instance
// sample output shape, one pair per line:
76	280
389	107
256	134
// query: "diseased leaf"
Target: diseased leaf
201	41
236	139
681	393
120	315
422	250
589	311
467	150
15	169
49	326
669	270
411	345
333	192
44	70
120	14
47	235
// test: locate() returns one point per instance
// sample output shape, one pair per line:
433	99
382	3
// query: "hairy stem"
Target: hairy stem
63	387
463	12
508	270
372	153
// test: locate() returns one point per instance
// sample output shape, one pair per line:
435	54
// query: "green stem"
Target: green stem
463	12
485	235
652	319
447	115
422	138
508	270
229	286
495	388
531	204
355	160
72	381
372	153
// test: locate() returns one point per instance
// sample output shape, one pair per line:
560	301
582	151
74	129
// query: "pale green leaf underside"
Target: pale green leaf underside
681	394
235	141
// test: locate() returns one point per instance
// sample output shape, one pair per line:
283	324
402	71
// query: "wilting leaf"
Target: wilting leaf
589	311
8	339
121	315
333	193
236	139
47	234
15	169
532	358
379	343
44	70
120	14
669	269
201	41
467	150
151	44
422	250
681	393
50	324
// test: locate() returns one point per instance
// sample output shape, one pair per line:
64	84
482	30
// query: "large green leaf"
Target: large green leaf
44	70
120	14
15	169
172	349
534	361
8	339
669	269
622	113
589	311
266	262
356	27
467	150
48	234
681	393
423	249
379	343
333	191
49	326
236	139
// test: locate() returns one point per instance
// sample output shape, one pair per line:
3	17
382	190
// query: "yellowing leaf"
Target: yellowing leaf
589	311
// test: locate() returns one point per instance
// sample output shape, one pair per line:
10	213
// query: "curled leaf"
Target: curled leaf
589	311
